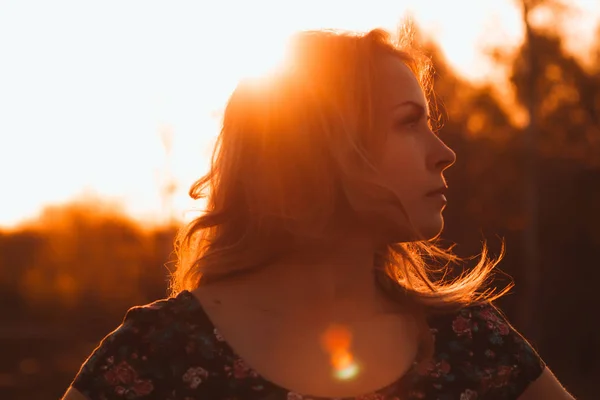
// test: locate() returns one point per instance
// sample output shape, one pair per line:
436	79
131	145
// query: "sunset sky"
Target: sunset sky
87	87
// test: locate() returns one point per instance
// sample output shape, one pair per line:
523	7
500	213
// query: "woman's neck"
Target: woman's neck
331	282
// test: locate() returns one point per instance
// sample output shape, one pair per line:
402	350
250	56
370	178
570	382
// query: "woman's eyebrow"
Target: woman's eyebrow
420	108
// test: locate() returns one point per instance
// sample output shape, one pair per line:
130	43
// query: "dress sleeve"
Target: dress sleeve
505	362
128	363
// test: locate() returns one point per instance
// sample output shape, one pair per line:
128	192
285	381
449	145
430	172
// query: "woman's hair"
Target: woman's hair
295	154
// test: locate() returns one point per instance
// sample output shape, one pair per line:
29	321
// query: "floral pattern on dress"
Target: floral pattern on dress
170	350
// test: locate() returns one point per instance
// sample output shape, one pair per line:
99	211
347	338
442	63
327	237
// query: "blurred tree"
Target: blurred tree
487	189
19	250
563	99
90	251
568	109
569	106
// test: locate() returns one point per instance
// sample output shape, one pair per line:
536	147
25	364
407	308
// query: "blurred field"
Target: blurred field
67	282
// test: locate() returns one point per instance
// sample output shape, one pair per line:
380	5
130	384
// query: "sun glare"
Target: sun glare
336	342
177	65
347	373
263	58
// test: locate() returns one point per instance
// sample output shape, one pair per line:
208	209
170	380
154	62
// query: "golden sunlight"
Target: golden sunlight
263	57
92	117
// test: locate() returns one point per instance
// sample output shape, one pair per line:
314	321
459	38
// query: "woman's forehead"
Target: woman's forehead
397	84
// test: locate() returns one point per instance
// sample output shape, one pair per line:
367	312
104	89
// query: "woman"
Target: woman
307	276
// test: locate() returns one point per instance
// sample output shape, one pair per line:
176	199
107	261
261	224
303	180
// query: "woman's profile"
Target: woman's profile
309	276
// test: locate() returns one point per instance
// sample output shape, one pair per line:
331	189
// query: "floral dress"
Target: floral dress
170	350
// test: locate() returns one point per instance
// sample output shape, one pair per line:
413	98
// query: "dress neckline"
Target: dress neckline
396	385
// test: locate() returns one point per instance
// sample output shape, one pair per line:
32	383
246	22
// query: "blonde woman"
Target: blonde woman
310	275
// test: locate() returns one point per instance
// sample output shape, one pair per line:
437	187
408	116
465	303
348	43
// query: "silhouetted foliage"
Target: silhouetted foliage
569	106
68	279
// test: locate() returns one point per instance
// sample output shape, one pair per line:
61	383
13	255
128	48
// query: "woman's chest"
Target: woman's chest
334	361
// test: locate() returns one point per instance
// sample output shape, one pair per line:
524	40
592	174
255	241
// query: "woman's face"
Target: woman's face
413	158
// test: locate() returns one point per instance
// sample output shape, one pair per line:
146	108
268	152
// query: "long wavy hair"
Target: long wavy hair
296	153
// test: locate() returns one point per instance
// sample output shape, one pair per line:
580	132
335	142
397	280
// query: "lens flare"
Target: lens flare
347	373
336	341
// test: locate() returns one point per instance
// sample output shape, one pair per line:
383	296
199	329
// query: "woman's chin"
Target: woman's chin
427	232
430	229
435	227
394	228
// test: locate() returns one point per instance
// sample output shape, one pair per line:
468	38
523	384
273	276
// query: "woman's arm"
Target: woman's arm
546	387
73	394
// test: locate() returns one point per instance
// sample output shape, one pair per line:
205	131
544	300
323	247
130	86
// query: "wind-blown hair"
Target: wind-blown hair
296	153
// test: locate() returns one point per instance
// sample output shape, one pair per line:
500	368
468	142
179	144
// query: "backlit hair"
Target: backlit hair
296	148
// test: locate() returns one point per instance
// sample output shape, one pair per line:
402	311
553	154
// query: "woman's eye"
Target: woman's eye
418	122
415	122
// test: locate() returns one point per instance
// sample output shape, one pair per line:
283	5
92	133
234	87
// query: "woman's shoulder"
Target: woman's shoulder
477	345
481	324
160	349
176	312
